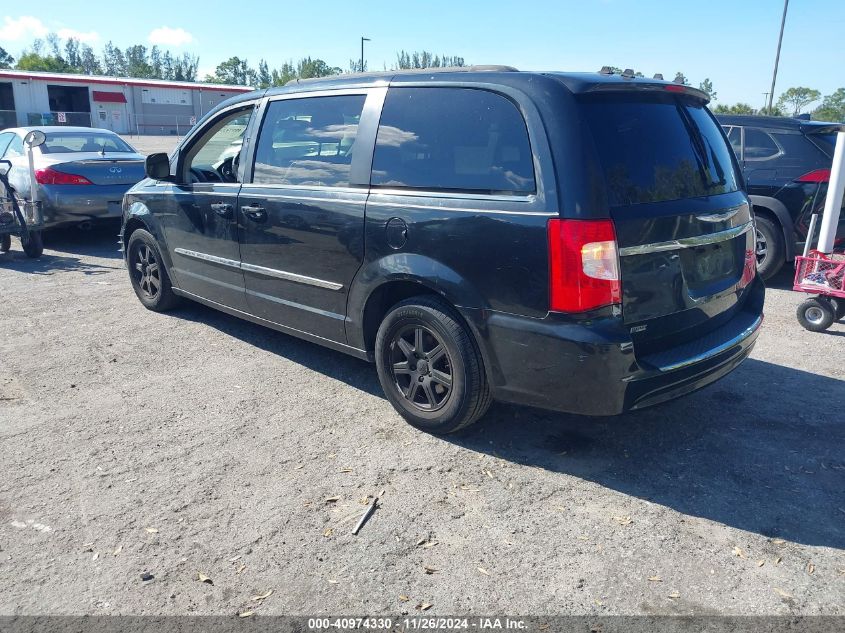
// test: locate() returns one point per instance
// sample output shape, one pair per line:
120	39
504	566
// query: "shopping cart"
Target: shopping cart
23	218
822	275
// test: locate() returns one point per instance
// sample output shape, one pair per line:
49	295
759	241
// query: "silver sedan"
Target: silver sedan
82	173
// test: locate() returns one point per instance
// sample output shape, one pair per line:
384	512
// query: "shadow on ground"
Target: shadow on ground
763	450
74	245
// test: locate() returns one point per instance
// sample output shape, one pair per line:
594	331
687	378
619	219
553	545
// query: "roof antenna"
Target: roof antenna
606	70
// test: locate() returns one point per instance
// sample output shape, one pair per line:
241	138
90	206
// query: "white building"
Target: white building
121	104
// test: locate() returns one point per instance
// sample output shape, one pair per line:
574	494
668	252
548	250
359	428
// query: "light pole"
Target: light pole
363	39
777	57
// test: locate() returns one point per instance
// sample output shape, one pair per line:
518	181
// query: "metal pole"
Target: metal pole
777	56
33	181
809	243
363	39
833	201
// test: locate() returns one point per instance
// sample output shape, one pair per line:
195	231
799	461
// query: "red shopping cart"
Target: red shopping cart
822	275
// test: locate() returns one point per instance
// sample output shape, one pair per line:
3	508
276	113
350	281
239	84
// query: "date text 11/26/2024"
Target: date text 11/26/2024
418	623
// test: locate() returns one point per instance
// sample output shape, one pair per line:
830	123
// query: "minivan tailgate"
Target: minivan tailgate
681	270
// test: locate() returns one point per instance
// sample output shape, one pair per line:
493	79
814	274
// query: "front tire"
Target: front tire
769	247
816	314
838	307
148	274
429	366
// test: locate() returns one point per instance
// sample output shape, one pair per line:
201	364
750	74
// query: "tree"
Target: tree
280	76
424	59
137	64
233	71
797	98
263	77
6	60
681	78
74	60
737	108
832	108
707	86
307	68
88	62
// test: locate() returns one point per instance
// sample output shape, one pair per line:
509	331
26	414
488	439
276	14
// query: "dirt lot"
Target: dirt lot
137	443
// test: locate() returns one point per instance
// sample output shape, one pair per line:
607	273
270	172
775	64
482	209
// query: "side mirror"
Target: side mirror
157	166
5	167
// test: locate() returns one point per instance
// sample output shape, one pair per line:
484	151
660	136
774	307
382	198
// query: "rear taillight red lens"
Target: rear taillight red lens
583	265
817	175
49	176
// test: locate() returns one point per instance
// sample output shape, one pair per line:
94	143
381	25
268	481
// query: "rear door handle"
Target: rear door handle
222	209
255	213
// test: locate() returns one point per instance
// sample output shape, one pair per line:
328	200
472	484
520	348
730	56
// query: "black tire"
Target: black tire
816	314
148	274
5	242
838	307
770	247
437	346
32	244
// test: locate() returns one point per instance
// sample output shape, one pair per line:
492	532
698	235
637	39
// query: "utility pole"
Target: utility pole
363	39
765	101
777	57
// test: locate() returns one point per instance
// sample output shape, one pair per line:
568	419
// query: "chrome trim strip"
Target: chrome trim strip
715	351
687	242
437	207
718	217
281	274
231	263
261	270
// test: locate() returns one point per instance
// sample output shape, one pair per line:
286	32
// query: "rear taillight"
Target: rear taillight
583	265
817	175
50	176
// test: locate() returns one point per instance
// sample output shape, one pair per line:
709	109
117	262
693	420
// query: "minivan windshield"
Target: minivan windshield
656	148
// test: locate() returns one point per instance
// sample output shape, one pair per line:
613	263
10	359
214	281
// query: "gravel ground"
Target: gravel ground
138	443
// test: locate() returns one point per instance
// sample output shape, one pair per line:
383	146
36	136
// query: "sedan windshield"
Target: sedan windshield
73	142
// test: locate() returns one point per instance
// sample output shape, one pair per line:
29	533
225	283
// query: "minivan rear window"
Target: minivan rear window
656	148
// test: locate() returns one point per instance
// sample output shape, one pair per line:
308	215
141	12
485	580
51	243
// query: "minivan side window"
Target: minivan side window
759	145
453	139
308	141
215	156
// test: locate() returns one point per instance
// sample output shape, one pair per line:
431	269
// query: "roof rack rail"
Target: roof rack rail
606	70
658	76
422	71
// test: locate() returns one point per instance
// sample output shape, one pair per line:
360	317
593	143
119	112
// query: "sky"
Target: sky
730	42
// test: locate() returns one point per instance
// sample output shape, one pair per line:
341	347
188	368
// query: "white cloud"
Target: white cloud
167	36
25	27
88	37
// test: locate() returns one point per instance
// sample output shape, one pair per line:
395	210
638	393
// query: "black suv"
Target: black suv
786	164
578	242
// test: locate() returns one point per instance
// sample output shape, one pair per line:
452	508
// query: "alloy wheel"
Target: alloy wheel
814	315
421	367
147	271
761	247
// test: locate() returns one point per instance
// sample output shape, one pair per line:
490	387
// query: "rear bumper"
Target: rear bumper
72	204
589	367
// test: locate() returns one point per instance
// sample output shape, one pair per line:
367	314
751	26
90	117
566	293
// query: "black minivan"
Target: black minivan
577	242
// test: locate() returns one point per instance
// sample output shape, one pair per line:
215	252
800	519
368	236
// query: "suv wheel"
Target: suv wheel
429	366
769	247
149	277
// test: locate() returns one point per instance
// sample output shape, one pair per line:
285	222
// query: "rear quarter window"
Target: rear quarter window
452	139
656	148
